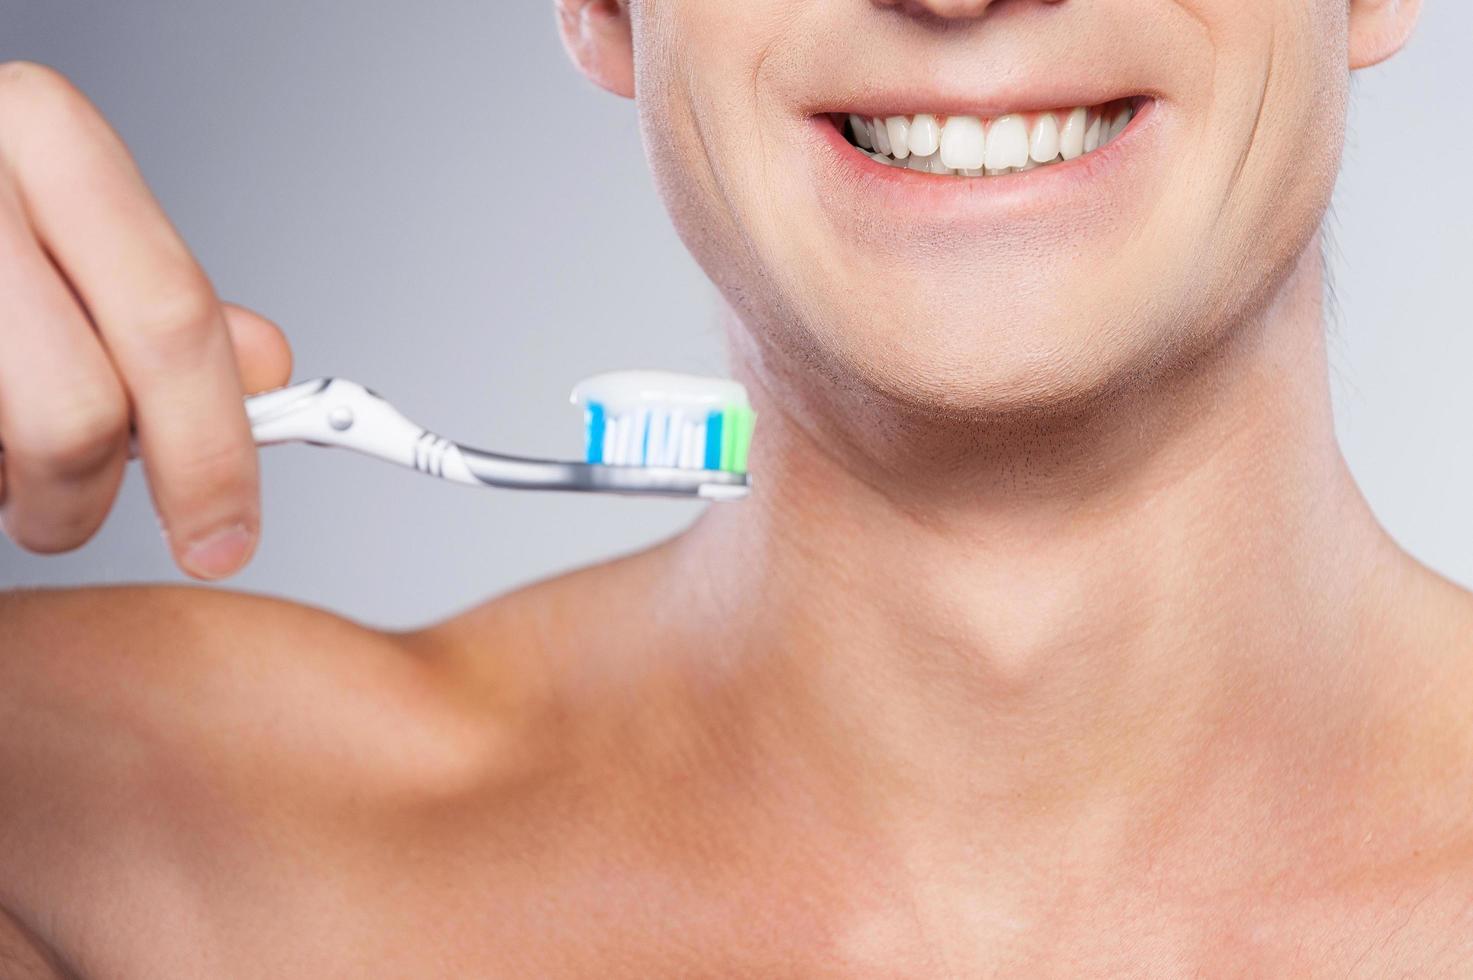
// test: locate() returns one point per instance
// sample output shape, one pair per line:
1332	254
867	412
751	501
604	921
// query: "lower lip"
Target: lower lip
1056	185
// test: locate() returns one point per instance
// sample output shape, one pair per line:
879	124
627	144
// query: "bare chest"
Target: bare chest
649	923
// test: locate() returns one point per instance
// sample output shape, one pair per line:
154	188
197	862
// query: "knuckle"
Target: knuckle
26	86
178	317
75	440
40	109
31	76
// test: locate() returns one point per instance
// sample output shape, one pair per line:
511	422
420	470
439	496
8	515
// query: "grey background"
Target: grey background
430	201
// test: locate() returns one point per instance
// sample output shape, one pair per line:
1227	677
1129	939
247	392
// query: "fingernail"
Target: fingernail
219	554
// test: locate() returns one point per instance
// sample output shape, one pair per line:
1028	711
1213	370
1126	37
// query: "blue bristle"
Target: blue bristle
644	441
713	441
594	414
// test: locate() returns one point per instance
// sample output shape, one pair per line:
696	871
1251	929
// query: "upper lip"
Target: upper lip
956	104
968	87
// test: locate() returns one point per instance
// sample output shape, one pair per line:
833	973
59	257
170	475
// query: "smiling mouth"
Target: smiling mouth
971	146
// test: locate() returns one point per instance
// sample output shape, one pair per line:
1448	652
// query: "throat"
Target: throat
1063	620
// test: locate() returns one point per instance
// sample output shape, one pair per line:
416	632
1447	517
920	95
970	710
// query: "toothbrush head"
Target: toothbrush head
664	419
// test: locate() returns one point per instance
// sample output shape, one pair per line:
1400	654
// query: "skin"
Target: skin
1056	640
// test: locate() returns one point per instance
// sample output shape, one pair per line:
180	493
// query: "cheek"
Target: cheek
676	102
1272	131
715	142
1273	110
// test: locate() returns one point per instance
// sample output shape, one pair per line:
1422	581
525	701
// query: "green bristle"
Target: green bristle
745	421
736	437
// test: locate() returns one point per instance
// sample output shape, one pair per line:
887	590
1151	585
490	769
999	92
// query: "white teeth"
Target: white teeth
1007	143
898	129
1071	137
925	135
1043	146
962	143
1092	136
969	146
881	135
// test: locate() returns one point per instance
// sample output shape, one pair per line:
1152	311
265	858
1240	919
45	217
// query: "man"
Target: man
1056	641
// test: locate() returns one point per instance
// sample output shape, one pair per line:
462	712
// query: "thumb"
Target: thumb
262	353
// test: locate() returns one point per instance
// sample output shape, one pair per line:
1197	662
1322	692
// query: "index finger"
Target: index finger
154	308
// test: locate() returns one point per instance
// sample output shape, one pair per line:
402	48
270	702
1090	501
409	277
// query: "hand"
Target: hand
107	320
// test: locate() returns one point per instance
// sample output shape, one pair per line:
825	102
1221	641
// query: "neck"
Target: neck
1085	602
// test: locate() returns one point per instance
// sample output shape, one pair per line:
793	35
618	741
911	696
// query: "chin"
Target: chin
964	348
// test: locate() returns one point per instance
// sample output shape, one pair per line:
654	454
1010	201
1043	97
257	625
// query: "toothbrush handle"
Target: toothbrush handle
338	412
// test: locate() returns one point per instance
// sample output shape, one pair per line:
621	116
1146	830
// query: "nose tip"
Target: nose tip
946	9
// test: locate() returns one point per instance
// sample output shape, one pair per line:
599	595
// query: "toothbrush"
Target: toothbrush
647	432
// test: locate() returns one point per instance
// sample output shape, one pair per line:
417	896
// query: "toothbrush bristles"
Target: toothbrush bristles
657	419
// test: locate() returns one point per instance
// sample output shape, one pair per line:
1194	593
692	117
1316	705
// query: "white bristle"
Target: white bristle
659	432
660	458
624	453
660	445
697	429
659	421
626	432
674	430
686	448
608	449
642	441
649	442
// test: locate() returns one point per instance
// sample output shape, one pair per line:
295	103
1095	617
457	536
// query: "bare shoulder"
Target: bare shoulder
172	662
142	723
583	612
264	680
247	684
146	624
1450	614
583	646
1408	869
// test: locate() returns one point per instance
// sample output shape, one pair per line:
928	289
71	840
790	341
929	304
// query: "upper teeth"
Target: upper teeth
971	146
